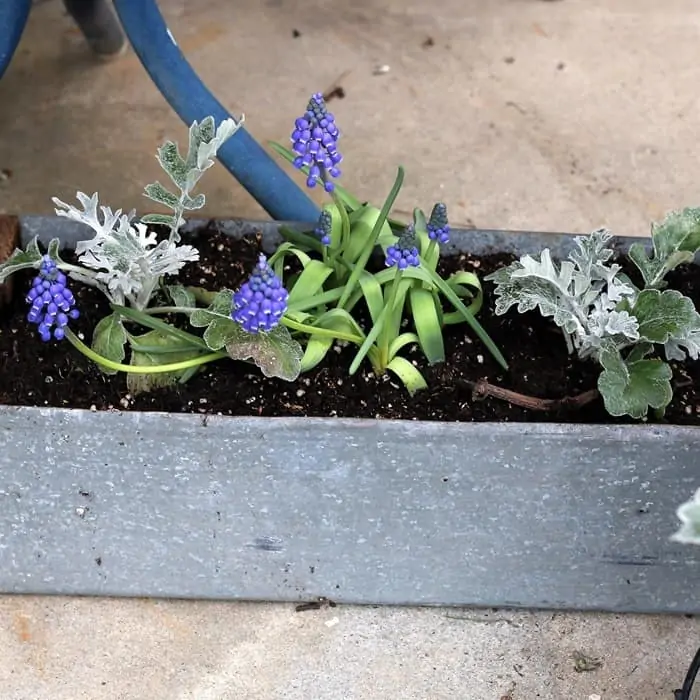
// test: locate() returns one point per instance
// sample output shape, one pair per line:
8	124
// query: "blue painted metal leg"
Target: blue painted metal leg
99	25
245	159
13	18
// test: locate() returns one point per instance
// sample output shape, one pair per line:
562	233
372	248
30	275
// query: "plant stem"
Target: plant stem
320	332
137	369
383	341
482	389
429	252
168	310
374	235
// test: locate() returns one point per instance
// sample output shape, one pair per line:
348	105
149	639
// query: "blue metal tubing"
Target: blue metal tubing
242	156
13	18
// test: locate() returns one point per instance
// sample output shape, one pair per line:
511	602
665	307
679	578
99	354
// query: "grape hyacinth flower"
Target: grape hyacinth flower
323	227
438	228
405	253
262	301
315	141
52	303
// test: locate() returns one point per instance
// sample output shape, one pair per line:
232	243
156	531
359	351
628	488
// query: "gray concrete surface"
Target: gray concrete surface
63	649
522	114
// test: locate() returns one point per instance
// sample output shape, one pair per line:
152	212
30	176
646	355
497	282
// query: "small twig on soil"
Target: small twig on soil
484	621
315	605
482	389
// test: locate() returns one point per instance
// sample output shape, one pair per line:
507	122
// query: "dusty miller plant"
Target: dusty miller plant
136	270
608	319
123	258
689	515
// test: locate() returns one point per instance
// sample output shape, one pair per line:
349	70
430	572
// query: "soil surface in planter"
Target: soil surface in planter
33	373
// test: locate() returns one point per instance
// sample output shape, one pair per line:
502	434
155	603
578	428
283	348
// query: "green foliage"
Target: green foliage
109	339
631	387
336	294
27	259
608	319
153	349
276	353
204	142
674	241
331	295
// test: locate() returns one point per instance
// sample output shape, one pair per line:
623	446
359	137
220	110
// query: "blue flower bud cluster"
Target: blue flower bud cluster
323	227
438	228
52	303
405	253
262	301
315	141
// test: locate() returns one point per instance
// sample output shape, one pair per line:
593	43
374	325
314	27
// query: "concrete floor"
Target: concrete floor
521	114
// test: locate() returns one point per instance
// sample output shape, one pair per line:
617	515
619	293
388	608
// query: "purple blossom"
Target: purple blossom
262	301
51	302
438	228
315	141
323	227
405	253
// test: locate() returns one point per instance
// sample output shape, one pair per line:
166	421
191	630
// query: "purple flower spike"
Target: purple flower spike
438	228
323	228
405	253
261	302
52	304
315	141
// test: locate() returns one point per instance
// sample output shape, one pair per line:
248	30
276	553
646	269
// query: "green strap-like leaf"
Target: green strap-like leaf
392	326
318	331
378	225
310	281
411	378
340	320
401	342
469	318
315	351
363	234
156	324
467	286
277	258
427	324
369	341
303	240
317	301
372	292
429	251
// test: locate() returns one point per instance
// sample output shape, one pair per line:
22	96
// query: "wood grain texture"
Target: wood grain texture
9	240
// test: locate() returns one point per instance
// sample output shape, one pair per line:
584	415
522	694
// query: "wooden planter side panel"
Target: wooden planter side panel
551	516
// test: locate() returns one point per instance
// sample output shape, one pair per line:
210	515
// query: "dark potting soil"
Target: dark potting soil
33	373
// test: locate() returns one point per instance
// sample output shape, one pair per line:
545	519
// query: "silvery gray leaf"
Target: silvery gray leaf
204	142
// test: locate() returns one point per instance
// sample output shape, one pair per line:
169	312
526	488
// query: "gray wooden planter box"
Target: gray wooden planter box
358	511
